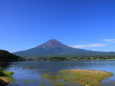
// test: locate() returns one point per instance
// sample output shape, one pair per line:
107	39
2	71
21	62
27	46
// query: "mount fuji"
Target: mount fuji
55	48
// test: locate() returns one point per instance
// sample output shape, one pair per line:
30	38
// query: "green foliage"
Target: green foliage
59	83
8	73
5	73
46	76
2	73
1	69
58	58
5	77
12	80
6	56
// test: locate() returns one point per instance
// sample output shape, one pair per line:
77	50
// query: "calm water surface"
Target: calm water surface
25	76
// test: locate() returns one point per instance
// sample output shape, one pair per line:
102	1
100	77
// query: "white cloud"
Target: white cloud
96	45
109	40
78	46
89	45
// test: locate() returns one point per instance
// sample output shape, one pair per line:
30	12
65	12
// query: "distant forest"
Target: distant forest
72	58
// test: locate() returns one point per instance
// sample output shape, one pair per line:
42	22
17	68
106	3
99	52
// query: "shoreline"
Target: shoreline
5	77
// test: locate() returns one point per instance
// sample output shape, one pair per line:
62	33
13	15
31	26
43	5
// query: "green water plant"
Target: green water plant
79	77
42	85
29	67
5	77
46	76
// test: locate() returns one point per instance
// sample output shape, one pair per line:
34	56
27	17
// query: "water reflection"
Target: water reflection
5	65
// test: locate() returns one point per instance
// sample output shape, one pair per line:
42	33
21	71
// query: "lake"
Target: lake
29	73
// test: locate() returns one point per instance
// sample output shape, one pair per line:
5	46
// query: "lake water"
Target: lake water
25	76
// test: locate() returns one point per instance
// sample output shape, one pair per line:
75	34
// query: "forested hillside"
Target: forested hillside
7	56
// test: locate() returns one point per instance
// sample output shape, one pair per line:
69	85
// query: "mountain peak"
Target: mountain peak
52	43
53	40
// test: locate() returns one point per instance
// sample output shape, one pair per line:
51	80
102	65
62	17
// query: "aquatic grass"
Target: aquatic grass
8	73
84	77
79	76
42	85
46	76
29	67
5	78
12	80
25	82
59	83
54	80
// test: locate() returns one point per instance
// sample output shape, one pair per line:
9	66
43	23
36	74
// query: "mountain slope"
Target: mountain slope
6	56
56	48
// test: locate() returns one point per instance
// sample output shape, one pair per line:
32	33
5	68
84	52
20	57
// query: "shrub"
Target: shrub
2	73
1	69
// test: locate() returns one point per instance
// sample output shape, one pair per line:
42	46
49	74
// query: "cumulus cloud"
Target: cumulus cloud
89	45
109	40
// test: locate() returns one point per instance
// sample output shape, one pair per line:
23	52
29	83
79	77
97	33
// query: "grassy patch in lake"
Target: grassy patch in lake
29	67
79	76
5	77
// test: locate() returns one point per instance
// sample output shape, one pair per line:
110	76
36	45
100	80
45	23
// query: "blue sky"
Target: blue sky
86	24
